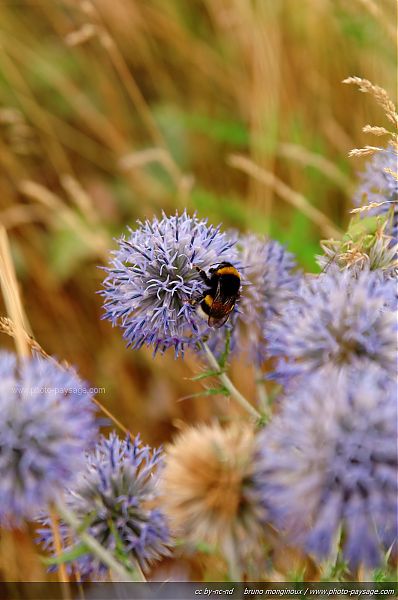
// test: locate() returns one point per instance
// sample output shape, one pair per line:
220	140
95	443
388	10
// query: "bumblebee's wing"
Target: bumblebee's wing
218	322
220	309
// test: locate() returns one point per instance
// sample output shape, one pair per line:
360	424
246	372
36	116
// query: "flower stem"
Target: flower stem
63	575
233	570
229	386
104	555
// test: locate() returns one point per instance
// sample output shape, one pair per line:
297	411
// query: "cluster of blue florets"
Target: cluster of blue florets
46	425
117	486
325	465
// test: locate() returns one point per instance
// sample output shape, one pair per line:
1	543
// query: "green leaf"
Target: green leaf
205	375
67	556
262	421
120	551
216	391
85	524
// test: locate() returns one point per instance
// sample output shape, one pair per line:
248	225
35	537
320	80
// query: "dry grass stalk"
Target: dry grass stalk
369	206
145	157
375	130
142	158
11	296
20	215
19	324
126	78
327	167
379	94
79	196
98	123
366	151
284	191
85	33
56	153
63	575
7	326
97	241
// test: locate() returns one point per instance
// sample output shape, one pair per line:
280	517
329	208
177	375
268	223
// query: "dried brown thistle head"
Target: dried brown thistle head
209	490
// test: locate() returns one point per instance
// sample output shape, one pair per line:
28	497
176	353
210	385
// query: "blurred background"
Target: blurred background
116	110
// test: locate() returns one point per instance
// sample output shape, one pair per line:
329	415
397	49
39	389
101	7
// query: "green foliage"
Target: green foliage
228	209
386	573
67	251
223	130
205	375
68	556
299	238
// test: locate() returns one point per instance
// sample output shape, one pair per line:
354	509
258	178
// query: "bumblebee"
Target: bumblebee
218	301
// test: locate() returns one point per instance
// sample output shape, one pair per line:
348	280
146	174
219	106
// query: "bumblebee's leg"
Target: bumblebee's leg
204	276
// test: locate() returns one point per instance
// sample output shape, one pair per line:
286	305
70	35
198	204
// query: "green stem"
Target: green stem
104	555
229	386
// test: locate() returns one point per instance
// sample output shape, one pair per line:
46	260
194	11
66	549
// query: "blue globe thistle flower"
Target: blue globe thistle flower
152	279
47	421
338	319
328	463
116	492
271	281
378	185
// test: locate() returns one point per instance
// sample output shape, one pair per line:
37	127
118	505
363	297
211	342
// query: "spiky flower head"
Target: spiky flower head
328	464
336	319
153	277
269	283
208	488
379	186
47	421
116	493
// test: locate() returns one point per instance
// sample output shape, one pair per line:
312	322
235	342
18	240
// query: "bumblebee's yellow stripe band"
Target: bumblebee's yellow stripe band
208	300
228	271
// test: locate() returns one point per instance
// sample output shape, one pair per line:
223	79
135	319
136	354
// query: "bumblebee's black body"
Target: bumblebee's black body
219	299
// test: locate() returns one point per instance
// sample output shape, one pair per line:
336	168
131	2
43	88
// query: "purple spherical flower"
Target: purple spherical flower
328	465
379	185
153	277
338	319
269	283
47	421
115	493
